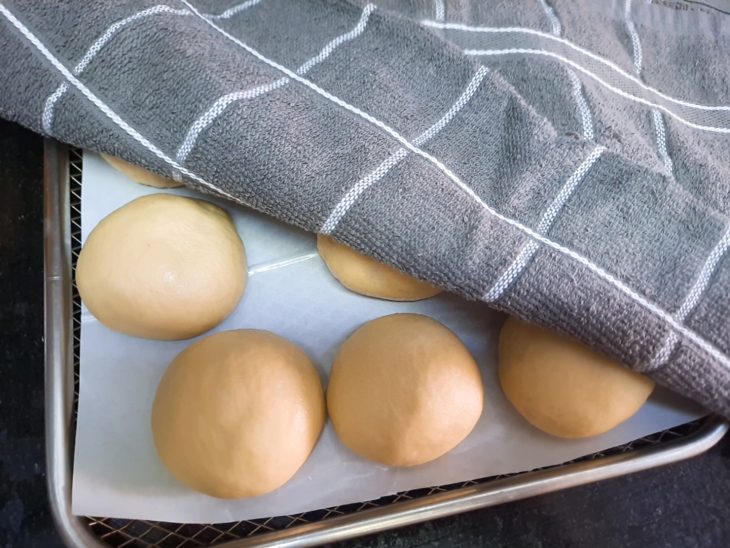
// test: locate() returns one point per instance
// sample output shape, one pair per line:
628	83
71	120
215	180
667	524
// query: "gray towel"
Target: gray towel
565	162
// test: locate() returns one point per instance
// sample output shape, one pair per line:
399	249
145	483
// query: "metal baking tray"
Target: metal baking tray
62	215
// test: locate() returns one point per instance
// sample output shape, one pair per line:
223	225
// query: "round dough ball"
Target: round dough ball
563	387
368	276
238	413
139	174
404	390
162	267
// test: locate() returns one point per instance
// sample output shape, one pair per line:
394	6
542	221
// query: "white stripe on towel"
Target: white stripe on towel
440	10
661	141
637	54
352	195
116	27
510	275
557	28
694	295
94	49
608	63
216	110
47	116
585	111
330	47
230	12
656	116
220	105
580	100
622	93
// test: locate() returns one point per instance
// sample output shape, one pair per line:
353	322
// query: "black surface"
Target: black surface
24	514
685	504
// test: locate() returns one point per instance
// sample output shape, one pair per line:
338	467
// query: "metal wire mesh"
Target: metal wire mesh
142	533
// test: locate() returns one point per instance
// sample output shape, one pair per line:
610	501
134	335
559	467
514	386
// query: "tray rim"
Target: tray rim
58	332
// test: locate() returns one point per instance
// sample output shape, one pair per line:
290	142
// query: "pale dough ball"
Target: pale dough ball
404	390
563	387
238	413
139	174
368	276
162	267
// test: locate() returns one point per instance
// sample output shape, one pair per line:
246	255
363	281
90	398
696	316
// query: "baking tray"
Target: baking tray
62	214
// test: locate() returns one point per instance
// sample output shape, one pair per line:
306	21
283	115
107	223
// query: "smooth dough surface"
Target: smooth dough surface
404	390
563	387
140	174
238	413
162	267
368	276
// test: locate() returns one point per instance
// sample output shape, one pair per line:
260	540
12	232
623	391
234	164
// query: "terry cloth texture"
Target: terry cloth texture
565	162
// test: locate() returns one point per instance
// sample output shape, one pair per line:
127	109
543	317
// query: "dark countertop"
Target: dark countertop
684	504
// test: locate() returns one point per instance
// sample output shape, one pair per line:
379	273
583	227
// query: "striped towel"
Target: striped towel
566	162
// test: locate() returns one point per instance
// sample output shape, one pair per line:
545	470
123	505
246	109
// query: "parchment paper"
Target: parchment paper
290	292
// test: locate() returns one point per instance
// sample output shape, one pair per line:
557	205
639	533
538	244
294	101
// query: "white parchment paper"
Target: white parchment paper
290	292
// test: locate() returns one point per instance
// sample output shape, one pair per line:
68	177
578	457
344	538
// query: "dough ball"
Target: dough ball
563	387
238	413
139	174
404	390
368	276
162	267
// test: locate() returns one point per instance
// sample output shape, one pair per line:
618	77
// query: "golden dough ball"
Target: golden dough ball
162	267
368	276
139	174
563	387
404	390
238	413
